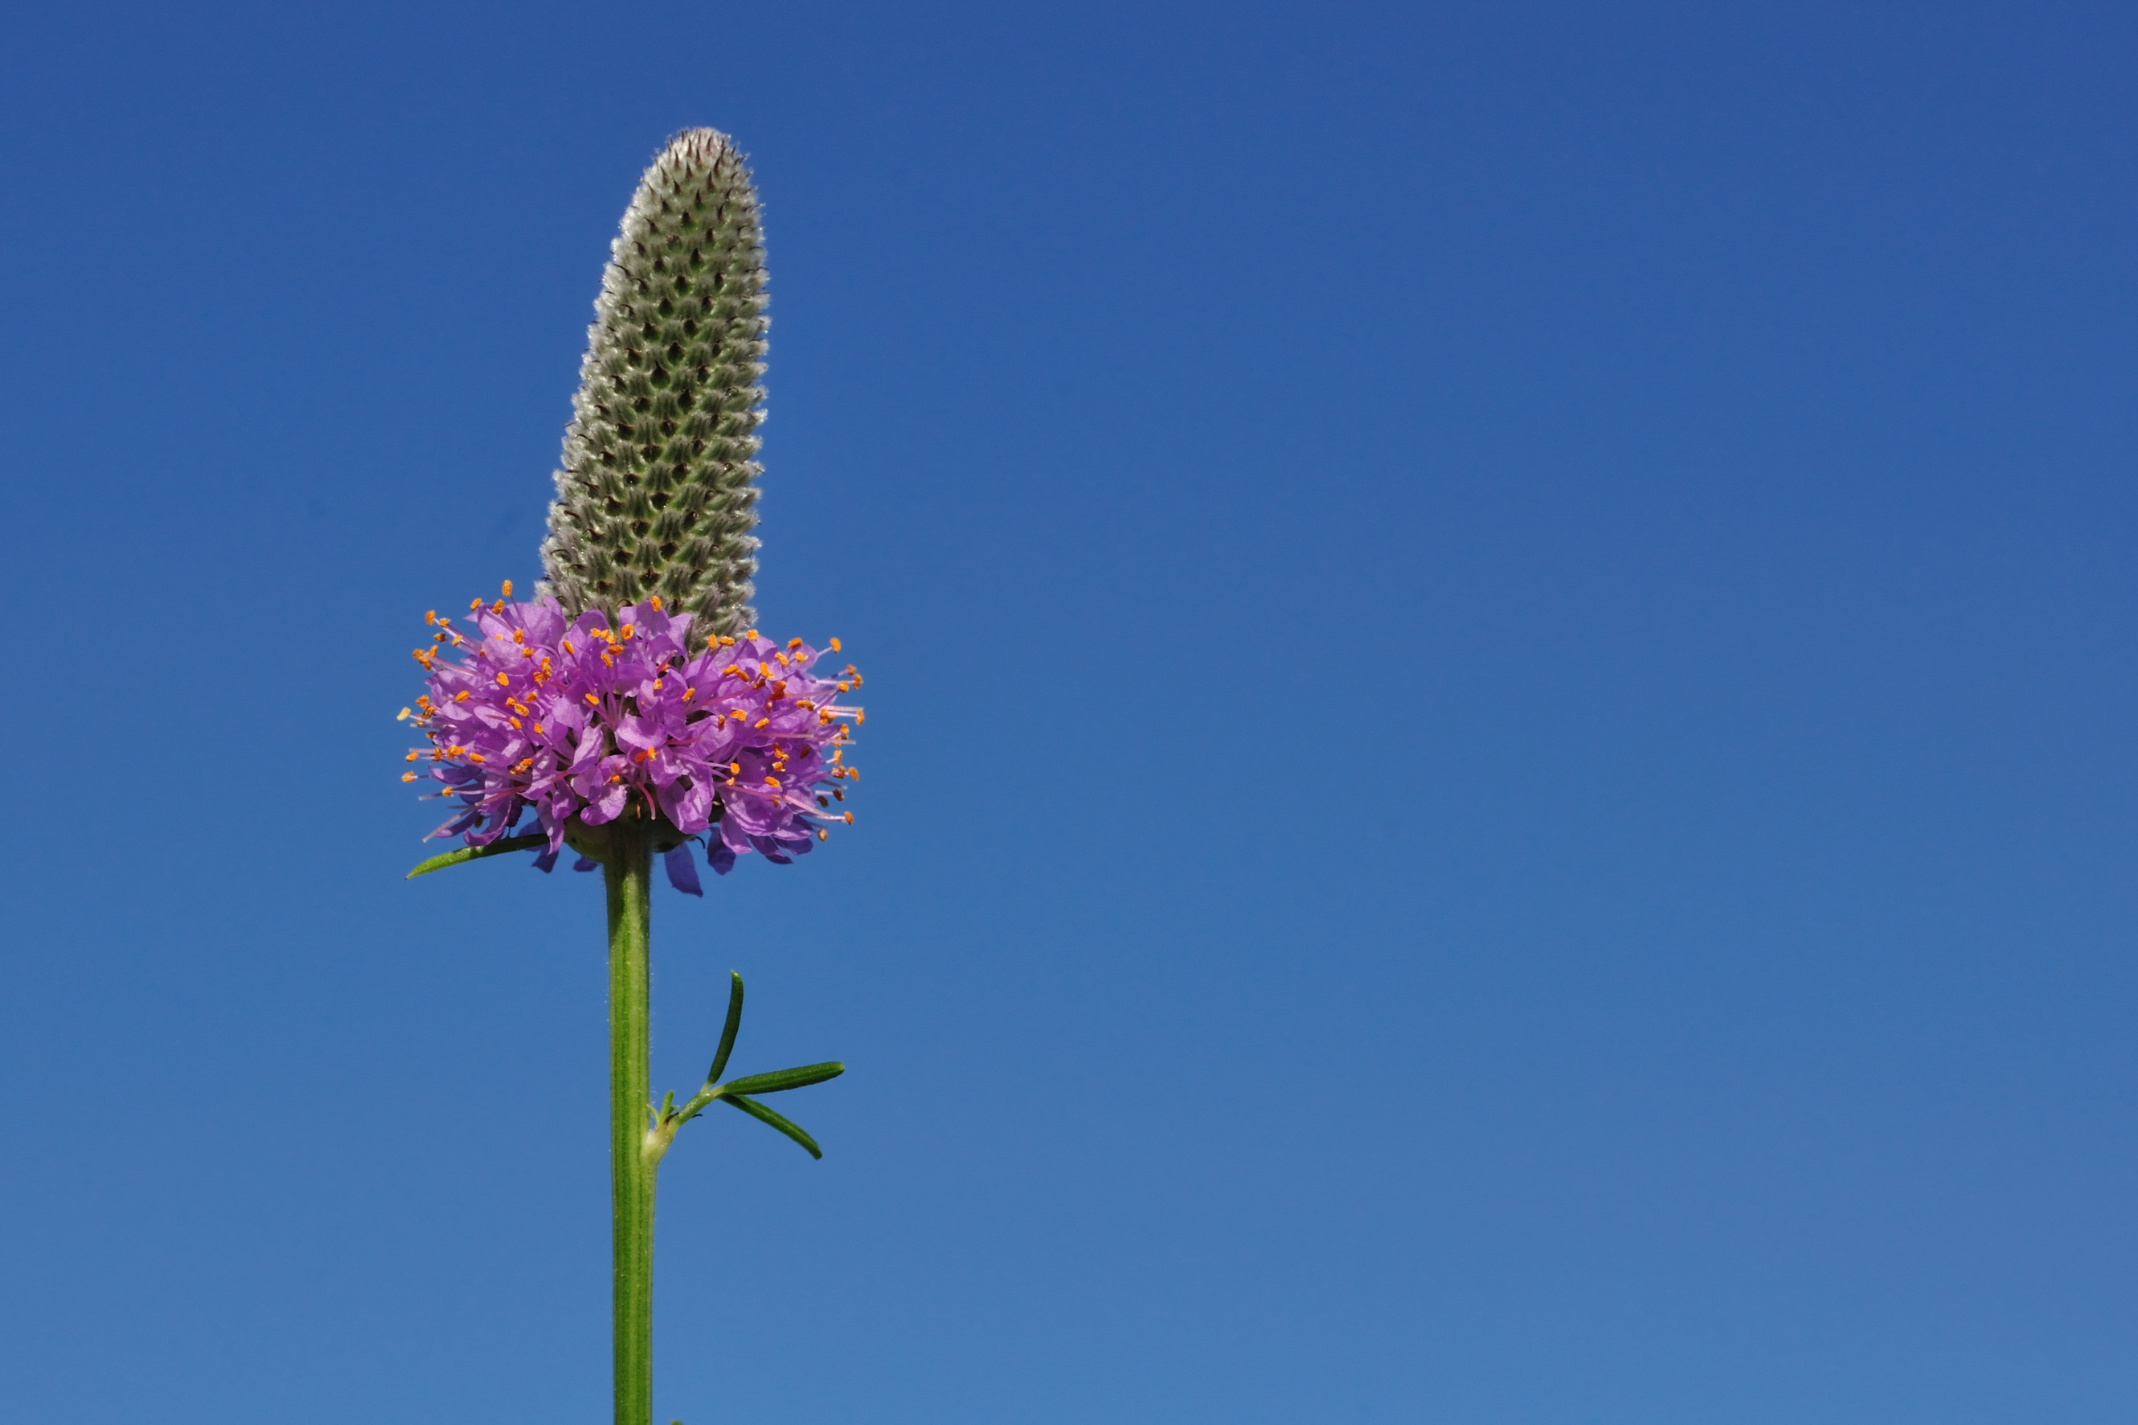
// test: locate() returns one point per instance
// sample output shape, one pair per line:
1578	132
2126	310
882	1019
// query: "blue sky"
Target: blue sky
1500	776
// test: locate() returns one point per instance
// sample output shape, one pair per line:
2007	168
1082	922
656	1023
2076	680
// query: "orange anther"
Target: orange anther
408	776
508	588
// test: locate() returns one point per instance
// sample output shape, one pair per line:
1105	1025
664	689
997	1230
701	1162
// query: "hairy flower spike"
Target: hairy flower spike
658	495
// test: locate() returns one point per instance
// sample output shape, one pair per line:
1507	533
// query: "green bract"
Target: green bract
658	492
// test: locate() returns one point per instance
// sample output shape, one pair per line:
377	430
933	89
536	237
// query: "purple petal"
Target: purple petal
681	873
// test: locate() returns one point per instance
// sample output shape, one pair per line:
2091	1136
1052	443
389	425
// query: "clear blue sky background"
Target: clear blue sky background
1501	784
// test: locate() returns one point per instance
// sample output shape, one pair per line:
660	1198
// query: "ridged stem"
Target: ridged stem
628	870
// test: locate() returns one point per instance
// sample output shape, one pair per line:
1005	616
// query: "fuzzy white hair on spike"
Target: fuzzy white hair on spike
658	494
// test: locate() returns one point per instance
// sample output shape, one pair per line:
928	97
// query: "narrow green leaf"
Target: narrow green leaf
785	1079
762	1114
727	1035
476	853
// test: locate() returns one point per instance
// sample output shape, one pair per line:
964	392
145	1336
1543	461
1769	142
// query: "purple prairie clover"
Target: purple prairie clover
742	743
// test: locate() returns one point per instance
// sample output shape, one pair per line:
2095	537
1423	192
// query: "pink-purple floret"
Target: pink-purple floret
742	743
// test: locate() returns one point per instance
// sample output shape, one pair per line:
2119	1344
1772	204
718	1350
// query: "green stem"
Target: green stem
628	870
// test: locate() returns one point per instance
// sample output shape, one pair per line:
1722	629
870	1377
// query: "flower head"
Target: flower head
584	720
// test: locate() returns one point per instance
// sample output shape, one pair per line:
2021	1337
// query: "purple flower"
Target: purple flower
742	743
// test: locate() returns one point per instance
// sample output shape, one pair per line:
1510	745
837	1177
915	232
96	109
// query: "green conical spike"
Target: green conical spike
658	492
